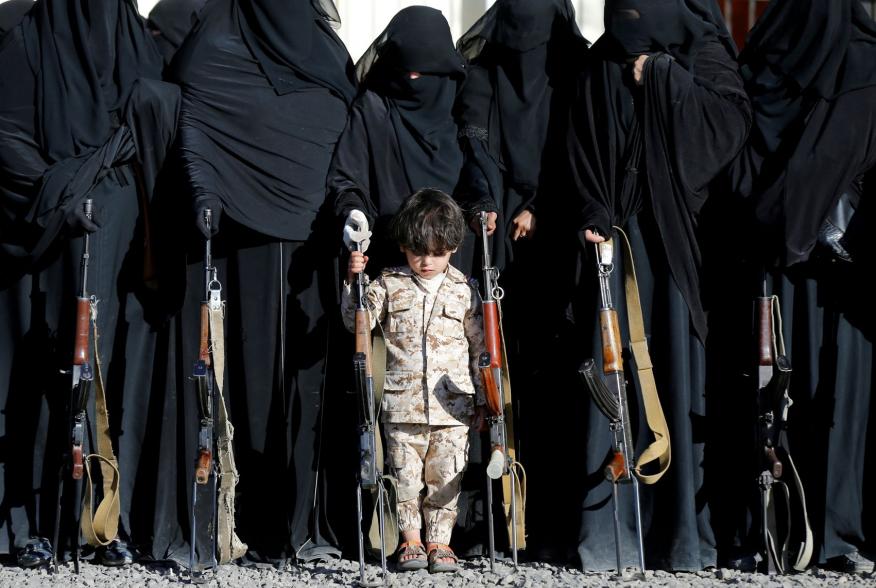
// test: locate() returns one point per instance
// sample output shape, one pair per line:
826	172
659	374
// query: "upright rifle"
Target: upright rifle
502	452
206	471
370	478
83	381
783	504
610	395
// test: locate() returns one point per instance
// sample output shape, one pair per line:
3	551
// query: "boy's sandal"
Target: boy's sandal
412	556
439	551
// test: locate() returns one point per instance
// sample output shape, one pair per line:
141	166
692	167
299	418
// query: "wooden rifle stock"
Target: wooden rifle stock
763	309
204	347
491	387
612	348
492	343
205	464
83	322
363	338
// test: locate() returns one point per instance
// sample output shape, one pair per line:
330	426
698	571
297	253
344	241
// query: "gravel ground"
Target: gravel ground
472	573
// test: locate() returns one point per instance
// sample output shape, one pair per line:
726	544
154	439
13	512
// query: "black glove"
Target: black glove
77	220
200	205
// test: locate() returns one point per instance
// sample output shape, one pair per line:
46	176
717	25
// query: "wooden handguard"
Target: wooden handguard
491	390
202	471
616	468
83	322
204	348
763	314
491	333
78	466
363	339
612	350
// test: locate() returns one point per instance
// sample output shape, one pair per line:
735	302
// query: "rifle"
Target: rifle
83	380
610	395
502	453
370	478
773	402
203	375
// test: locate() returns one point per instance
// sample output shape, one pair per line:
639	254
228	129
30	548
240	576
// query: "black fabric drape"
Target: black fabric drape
261	154
295	45
11	13
800	60
512	109
170	22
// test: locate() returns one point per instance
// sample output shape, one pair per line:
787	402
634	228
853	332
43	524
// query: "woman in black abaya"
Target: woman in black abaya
82	115
808	174
266	89
513	115
401	138
660	113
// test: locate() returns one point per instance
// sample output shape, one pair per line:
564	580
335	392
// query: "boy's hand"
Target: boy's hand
480	423
358	261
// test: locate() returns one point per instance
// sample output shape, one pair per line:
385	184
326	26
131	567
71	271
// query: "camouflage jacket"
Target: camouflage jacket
432	374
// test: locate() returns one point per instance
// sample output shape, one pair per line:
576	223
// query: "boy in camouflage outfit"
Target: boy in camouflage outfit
433	328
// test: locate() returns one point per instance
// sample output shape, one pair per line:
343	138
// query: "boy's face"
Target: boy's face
428	265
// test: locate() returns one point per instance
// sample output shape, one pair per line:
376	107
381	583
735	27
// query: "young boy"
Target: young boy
433	328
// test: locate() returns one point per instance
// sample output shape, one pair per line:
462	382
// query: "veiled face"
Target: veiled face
644	26
524	24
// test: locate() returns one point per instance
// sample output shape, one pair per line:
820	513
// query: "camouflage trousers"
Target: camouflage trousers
430	457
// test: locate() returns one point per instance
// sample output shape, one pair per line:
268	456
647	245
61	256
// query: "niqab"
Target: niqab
11	13
525	43
418	39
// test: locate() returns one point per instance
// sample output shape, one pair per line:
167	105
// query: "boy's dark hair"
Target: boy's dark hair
429	221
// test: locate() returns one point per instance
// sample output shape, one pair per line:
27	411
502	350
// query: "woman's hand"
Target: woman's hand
524	225
639	68
491	223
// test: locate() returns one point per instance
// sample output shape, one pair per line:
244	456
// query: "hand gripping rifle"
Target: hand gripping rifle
783	502
206	471
502	452
83	381
610	395
370	478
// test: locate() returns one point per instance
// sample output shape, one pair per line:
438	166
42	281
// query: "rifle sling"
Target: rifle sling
228	544
516	469
101	526
659	450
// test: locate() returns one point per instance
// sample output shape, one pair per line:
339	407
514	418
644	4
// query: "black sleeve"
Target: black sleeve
348	181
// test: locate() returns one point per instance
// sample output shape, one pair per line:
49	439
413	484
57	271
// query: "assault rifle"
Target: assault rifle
83	381
502	459
206	471
370	478
783	503
610	395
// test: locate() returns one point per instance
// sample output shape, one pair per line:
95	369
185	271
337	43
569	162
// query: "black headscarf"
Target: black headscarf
526	43
294	39
418	39
87	55
676	27
802	50
171	21
12	12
